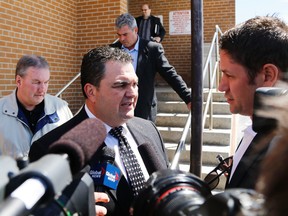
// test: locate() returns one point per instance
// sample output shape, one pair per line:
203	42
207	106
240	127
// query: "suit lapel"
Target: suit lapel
134	130
250	159
148	145
142	60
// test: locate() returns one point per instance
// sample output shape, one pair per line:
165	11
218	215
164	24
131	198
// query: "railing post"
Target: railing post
197	87
211	98
218	74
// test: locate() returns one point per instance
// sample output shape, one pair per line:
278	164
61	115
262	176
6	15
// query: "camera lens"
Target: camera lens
171	192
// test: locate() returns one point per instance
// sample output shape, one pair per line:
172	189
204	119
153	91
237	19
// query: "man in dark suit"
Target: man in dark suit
148	59
109	85
253	54
150	27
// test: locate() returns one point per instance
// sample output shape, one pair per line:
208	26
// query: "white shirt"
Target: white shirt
112	143
248	136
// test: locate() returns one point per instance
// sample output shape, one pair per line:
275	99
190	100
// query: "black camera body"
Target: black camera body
171	192
178	193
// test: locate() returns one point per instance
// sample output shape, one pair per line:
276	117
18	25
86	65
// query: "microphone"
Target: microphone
105	173
40	181
154	163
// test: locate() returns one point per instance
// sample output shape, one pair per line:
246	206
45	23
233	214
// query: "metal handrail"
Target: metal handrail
213	76
68	84
209	100
181	145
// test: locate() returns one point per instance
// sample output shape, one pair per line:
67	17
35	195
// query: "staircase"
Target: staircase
171	118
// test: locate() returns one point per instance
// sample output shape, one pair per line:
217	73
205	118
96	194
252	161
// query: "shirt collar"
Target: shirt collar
136	47
108	128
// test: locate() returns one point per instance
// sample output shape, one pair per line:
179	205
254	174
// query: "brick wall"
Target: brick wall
41	27
95	23
217	12
63	30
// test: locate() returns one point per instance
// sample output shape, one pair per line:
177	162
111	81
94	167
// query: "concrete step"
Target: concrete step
209	153
180	119
222	108
168	94
171	119
172	106
219	137
217	95
219	121
181	107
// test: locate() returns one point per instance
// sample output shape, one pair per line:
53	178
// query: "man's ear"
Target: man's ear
90	89
18	80
271	74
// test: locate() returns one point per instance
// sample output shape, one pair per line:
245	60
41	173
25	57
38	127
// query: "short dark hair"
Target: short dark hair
93	64
27	61
258	41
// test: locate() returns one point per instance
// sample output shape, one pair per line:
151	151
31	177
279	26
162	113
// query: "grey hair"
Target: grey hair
126	19
27	61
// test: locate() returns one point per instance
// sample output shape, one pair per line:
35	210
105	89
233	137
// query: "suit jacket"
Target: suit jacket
156	29
151	59
145	134
247	171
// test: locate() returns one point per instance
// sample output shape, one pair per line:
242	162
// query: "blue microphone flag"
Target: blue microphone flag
105	174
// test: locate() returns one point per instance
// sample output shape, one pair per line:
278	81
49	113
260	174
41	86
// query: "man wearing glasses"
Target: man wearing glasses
150	27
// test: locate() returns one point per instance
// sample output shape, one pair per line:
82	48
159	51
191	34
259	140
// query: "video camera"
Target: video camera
177	193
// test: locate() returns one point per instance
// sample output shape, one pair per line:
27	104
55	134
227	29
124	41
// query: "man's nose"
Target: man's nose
42	86
223	84
132	91
121	37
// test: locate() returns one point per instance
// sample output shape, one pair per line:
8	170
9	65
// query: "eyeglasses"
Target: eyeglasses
213	178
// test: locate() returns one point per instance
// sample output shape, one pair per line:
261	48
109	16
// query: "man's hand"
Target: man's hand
189	105
101	197
157	39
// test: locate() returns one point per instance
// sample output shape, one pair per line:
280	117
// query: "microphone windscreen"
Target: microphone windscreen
107	155
266	121
154	163
81	142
